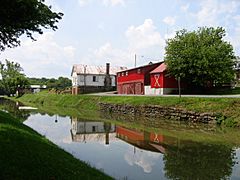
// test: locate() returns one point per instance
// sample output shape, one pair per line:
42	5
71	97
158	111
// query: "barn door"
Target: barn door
139	88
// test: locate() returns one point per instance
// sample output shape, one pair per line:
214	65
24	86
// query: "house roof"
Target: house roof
89	69
140	67
161	68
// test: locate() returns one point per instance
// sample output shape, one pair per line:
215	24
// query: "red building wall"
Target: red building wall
133	81
164	81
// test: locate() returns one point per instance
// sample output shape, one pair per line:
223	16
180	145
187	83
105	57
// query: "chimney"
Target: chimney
107	68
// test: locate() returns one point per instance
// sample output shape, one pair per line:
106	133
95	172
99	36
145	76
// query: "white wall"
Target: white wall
153	91
78	80
87	127
158	91
74	79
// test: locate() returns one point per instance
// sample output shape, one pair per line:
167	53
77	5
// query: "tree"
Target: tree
60	83
201	58
18	17
12	78
64	82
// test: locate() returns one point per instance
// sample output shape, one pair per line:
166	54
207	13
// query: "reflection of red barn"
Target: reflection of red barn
149	79
144	140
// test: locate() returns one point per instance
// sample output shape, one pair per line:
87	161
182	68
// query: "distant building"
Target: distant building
37	88
151	79
87	79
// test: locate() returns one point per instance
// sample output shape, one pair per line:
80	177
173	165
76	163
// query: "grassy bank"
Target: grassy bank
228	107
27	155
197	133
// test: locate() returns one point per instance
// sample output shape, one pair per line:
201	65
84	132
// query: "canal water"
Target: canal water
124	152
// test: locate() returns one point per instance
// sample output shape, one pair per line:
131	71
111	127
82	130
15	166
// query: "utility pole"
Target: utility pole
135	60
179	86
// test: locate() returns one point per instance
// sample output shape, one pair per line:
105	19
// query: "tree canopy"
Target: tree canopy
60	83
18	17
12	78
200	57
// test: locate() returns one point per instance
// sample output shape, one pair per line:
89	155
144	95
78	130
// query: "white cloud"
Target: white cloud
44	57
214	11
169	20
114	2
107	53
143	40
144	36
170	35
83	2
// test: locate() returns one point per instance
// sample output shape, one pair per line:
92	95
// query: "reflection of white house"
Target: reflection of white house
87	78
85	131
90	127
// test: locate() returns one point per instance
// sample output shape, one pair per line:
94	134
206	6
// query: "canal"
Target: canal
127	152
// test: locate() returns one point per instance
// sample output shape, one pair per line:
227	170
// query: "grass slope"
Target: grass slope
228	107
24	154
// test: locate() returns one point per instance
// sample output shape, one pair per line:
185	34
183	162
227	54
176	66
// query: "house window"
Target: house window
139	71
94	128
126	73
122	73
94	78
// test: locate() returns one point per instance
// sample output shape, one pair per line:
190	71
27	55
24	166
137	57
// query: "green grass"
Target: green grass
194	132
24	154
229	107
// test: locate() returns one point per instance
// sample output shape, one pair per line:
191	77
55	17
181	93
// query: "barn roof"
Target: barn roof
140	67
89	69
161	68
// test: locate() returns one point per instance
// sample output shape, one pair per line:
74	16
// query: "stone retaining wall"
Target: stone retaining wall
159	111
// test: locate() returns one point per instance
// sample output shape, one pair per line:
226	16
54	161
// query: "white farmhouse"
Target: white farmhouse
87	78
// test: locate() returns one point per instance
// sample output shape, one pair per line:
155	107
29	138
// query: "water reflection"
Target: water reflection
145	140
129	153
198	161
84	131
12	108
182	159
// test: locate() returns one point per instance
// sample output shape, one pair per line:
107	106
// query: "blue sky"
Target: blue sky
98	31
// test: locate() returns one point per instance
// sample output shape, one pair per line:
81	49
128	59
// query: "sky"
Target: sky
94	32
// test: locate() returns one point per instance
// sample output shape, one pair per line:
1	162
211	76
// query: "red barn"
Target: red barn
133	81
151	79
161	82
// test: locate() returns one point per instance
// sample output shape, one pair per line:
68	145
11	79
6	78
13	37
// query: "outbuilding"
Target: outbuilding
151	79
87	78
134	81
161	81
